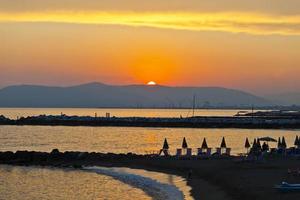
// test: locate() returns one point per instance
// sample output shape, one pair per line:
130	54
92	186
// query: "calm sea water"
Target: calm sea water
123	139
37	183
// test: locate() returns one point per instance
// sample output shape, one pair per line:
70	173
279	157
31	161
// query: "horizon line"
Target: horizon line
111	84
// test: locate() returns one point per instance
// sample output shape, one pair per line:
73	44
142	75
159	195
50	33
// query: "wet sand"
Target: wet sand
215	178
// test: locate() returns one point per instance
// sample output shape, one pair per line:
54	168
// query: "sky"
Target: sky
251	45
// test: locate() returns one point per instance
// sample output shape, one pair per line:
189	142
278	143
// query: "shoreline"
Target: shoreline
196	183
151	180
166	182
215	178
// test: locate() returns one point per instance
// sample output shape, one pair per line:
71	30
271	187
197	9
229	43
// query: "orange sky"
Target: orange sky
251	46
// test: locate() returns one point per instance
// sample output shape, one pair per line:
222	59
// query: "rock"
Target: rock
39	156
83	155
23	155
55	151
70	155
55	154
5	156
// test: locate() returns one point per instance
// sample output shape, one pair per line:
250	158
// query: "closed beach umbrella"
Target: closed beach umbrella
184	144
279	143
247	144
296	143
166	145
254	143
204	144
258	143
283	143
223	143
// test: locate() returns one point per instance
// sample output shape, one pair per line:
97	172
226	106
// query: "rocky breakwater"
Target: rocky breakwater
262	122
4	120
68	158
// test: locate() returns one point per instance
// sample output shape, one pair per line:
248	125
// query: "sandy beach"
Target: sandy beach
214	178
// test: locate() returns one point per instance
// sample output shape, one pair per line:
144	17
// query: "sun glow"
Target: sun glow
151	83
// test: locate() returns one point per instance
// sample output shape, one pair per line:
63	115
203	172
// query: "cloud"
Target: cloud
233	22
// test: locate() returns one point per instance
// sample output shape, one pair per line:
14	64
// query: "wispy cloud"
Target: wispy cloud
233	22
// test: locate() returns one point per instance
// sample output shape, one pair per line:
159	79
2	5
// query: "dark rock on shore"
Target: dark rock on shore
55	157
4	120
8	155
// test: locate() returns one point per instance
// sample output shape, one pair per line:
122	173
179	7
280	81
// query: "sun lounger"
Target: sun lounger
227	152
188	152
165	152
208	152
218	151
204	152
200	152
179	152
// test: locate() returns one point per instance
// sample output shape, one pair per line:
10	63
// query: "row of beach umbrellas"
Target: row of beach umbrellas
185	145
281	142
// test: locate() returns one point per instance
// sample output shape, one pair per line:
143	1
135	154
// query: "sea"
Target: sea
110	183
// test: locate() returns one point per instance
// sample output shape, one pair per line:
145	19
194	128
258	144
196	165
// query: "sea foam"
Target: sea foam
155	189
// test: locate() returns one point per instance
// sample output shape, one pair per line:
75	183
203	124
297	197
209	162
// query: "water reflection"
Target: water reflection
27	183
127	139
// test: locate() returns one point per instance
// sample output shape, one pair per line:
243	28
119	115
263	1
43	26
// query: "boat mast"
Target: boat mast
194	101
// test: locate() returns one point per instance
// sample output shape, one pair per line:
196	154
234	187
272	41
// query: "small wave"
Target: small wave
153	188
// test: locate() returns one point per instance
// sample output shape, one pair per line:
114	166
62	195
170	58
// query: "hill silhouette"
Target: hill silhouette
102	95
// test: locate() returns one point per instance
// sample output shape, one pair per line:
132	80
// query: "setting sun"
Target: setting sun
151	83
144	84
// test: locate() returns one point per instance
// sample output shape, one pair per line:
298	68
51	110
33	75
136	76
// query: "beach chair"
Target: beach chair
160	151
163	152
178	152
227	152
200	152
208	152
218	151
189	152
280	151
273	150
166	152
